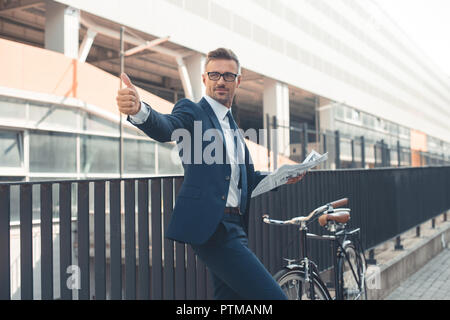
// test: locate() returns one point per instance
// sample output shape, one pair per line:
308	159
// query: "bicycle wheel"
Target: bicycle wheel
294	285
352	274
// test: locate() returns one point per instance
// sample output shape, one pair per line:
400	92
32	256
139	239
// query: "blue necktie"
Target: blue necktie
243	170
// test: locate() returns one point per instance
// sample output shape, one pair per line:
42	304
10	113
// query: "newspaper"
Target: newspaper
284	173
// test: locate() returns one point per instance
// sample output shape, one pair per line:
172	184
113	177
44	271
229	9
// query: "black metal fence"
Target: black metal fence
113	230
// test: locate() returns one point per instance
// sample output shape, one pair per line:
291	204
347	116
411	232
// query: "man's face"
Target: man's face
221	90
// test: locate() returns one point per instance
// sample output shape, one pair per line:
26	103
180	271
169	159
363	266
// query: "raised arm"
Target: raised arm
156	125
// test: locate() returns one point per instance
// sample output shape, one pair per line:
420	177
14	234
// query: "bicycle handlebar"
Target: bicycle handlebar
298	220
339	203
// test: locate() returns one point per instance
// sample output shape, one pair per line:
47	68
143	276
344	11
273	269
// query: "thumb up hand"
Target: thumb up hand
127	98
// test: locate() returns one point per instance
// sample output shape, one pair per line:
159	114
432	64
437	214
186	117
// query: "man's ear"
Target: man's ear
238	81
204	79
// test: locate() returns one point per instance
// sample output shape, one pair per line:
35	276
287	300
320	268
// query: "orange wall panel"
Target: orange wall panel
418	140
34	69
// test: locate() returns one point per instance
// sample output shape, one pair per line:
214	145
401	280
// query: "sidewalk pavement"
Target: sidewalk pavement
431	282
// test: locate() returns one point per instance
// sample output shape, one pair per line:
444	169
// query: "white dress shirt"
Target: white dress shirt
142	115
234	193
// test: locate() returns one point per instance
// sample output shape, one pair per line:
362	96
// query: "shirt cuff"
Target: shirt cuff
142	115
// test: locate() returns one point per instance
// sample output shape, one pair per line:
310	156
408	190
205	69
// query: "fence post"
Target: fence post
304	140
353	153
363	153
268	140
376	165
275	143
5	251
338	149
399	160
371	259
418	231
433	223
388	155
398	243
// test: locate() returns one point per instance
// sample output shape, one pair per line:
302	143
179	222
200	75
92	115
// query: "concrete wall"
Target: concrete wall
395	271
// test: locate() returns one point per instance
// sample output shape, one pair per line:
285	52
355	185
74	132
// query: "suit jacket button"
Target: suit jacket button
227	178
223	197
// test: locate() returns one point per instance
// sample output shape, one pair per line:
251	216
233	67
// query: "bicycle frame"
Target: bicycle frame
333	219
337	242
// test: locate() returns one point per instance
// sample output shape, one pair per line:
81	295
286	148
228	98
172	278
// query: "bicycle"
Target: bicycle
300	279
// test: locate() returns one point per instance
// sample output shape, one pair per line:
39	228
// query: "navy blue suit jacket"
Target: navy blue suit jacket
200	203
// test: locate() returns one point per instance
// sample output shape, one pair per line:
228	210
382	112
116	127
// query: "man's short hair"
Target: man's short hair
222	53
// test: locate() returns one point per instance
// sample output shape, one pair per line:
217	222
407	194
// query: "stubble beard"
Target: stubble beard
224	99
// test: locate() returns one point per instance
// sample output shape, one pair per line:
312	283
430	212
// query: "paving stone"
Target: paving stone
431	282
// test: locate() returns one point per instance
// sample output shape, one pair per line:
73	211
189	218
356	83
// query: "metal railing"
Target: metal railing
115	237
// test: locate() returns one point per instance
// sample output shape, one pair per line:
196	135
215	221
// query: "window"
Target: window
11	149
198	7
168	159
356	115
340	112
242	26
260	35
220	15
94	123
55	116
53	152
12	109
139	156
99	154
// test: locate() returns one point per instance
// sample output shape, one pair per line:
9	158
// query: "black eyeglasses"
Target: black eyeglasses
227	76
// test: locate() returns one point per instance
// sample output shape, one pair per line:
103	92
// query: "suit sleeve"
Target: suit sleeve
160	126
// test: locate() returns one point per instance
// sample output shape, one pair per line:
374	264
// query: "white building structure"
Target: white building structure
336	65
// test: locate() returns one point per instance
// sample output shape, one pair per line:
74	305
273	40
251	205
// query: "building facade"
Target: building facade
335	65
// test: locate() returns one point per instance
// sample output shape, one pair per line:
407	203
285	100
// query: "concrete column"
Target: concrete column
327	110
62	24
276	103
191	69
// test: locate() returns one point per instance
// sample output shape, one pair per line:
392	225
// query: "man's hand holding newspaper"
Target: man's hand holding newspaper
289	173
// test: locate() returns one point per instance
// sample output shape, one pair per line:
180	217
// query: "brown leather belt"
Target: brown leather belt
233	210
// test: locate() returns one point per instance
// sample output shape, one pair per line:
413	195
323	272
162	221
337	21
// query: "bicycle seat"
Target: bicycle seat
340	217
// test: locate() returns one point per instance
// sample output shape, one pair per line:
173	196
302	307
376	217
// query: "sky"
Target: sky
427	24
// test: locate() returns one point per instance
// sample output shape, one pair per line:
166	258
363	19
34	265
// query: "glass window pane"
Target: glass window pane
168	160
53	152
139	156
99	124
55	116
340	112
99	154
346	148
12	109
10	149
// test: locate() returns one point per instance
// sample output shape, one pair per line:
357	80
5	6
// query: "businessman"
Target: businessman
211	209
